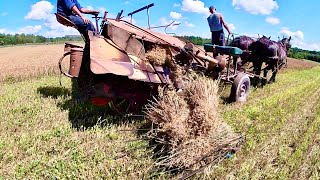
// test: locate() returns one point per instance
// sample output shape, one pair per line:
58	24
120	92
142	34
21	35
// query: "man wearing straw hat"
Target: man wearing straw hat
216	24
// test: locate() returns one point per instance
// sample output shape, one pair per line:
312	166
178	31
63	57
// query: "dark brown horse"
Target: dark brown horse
274	54
243	42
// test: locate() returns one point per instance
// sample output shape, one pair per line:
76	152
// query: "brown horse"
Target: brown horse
243	42
274	54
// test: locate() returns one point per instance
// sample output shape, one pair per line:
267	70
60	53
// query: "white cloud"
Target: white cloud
308	46
264	7
272	20
43	10
4	14
296	35
298	40
254	36
40	10
189	24
3	31
231	27
175	15
127	2
176	5
30	29
174	27
56	29
102	10
195	6
60	32
128	19
89	7
164	22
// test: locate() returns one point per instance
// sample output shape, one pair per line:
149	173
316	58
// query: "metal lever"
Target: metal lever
141	9
119	15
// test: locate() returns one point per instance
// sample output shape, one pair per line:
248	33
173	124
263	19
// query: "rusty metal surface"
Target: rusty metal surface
75	61
68	46
107	58
126	41
144	71
173	41
148	35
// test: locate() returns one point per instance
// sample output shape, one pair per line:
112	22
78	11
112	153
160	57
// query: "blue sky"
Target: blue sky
250	17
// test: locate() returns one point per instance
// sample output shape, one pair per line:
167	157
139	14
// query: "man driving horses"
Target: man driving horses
216	24
72	10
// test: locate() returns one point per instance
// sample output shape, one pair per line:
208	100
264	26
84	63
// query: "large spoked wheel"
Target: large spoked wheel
240	88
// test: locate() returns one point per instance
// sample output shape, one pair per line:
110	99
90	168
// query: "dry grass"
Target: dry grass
157	56
300	64
21	62
188	124
39	138
44	135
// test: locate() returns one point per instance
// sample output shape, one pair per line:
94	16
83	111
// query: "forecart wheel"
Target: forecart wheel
240	88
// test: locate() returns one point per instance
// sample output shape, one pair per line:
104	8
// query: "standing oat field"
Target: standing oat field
43	134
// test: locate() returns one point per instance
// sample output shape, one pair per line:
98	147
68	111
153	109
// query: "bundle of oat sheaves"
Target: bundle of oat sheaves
187	124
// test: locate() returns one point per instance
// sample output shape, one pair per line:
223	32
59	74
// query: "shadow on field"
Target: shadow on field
82	115
53	92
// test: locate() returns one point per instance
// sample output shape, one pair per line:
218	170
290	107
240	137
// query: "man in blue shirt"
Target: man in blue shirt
72	10
216	23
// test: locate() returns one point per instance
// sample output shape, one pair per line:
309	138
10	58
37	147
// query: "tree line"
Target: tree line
10	39
304	54
16	39
293	52
196	40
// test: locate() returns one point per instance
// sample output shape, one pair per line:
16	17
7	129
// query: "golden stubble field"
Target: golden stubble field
20	62
45	135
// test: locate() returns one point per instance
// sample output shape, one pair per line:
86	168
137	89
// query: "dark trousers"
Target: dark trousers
83	80
82	27
217	38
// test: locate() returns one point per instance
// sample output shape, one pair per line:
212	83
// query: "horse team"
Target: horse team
263	50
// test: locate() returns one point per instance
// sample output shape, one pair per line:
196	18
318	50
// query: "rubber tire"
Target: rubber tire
240	89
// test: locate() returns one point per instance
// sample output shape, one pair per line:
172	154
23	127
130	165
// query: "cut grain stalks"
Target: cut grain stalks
188	126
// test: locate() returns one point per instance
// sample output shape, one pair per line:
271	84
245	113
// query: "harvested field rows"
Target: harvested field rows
278	127
43	134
